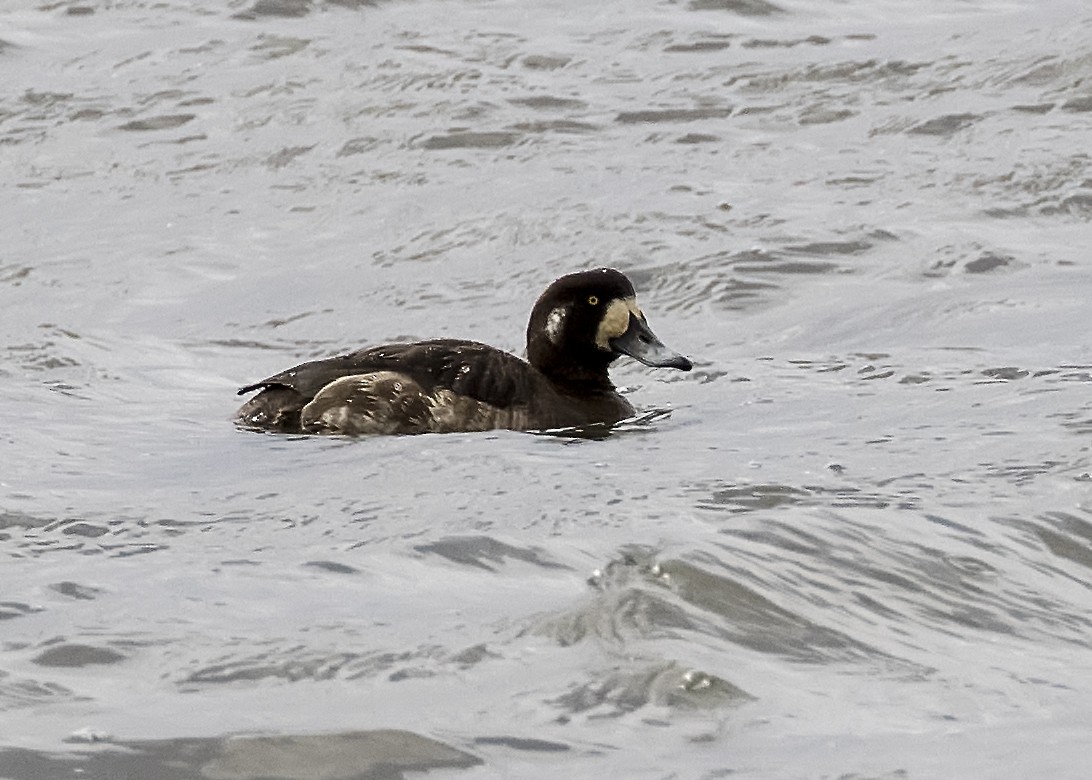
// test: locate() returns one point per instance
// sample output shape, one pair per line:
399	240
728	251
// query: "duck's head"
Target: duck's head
584	321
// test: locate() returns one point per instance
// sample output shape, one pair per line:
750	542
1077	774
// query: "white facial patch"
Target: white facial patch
615	321
555	323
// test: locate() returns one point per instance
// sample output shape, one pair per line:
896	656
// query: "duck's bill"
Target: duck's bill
640	343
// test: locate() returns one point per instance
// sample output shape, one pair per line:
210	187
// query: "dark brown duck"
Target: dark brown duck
580	325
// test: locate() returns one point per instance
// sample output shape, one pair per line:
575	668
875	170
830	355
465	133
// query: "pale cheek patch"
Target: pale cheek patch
615	321
555	323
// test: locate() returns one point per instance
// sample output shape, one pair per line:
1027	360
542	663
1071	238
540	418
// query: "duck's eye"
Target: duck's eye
593	300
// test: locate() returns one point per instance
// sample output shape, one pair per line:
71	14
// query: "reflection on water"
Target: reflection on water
854	541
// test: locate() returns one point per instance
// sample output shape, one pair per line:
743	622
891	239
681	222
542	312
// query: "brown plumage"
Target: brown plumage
578	327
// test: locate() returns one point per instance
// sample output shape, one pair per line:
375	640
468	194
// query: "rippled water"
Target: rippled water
859	546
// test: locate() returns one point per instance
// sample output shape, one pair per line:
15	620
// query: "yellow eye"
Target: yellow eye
593	300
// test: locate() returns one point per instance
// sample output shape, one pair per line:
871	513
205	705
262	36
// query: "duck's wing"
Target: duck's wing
466	368
308	378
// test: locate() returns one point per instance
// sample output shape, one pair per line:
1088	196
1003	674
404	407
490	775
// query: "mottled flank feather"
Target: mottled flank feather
393	403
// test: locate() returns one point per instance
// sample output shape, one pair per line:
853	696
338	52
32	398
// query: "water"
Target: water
859	546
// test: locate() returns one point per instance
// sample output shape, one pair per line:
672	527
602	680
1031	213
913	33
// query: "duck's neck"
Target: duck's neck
578	378
581	369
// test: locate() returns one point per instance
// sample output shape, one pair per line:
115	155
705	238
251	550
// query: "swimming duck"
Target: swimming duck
578	327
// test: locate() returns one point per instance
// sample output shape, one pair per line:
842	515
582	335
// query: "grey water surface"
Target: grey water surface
855	541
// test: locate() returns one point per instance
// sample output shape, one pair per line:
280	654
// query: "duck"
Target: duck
578	327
